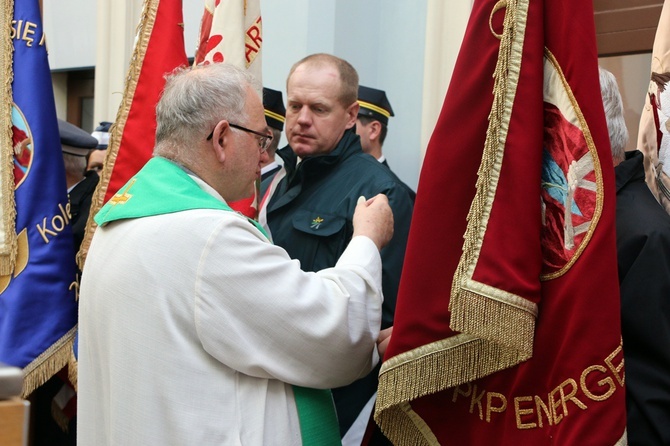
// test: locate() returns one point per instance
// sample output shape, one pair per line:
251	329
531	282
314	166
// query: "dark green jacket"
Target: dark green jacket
310	215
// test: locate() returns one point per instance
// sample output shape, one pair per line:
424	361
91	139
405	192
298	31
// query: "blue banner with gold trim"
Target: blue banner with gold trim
38	307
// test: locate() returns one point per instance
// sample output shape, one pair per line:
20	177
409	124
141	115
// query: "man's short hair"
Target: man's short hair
348	75
74	164
276	136
365	120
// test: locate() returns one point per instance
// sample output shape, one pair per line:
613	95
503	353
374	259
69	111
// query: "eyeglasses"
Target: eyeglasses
264	140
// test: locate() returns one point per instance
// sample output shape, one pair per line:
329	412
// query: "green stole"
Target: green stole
162	187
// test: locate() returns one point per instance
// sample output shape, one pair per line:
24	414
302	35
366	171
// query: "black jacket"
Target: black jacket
310	215
643	248
80	204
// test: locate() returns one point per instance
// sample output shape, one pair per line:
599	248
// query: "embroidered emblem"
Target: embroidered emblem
122	198
316	223
571	178
22	140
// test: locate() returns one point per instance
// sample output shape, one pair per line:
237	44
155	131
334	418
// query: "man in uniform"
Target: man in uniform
81	183
275	115
310	209
372	123
95	160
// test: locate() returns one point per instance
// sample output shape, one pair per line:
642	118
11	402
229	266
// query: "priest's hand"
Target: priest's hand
373	218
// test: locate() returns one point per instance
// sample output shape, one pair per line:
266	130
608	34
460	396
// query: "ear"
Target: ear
352	114
374	130
221	140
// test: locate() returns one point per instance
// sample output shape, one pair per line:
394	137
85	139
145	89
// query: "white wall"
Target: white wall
70	29
382	39
632	74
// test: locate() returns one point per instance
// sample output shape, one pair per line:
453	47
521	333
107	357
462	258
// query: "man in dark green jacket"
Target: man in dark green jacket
311	203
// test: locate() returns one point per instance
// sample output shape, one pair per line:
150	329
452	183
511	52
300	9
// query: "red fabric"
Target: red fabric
205	29
246	207
164	53
577	328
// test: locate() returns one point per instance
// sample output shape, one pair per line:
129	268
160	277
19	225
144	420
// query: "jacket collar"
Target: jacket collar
317	166
629	170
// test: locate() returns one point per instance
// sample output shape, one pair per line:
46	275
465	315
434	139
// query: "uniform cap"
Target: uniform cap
275	112
101	133
75	141
374	104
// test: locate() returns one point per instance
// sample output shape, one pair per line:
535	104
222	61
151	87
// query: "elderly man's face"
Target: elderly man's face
244	156
315	119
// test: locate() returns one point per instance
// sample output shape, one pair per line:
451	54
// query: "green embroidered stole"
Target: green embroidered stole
162	187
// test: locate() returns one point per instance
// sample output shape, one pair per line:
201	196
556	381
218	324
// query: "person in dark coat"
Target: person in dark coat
309	212
275	115
95	160
75	145
643	251
372	123
81	184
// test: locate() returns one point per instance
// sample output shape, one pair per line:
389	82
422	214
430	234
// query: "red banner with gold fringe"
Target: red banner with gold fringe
515	207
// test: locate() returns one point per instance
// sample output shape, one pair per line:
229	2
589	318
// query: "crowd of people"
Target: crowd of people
198	325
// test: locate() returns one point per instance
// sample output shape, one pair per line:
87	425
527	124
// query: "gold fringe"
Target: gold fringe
409	433
8	249
144	31
433	373
496	332
48	363
489	313
72	368
489	169
495	321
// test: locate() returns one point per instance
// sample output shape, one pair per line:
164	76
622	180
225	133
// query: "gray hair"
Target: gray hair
193	102
616	125
74	165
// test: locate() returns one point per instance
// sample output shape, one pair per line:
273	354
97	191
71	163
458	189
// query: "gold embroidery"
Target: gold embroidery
519	412
551	61
491	408
22	257
561	402
316	223
539	405
602	382
476	400
122	198
616	369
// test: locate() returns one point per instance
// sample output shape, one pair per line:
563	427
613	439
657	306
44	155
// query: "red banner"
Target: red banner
159	50
507	325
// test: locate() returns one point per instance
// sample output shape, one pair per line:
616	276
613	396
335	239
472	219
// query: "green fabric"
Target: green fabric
162	187
318	420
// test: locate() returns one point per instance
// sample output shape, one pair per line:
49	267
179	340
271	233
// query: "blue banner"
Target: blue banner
38	307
